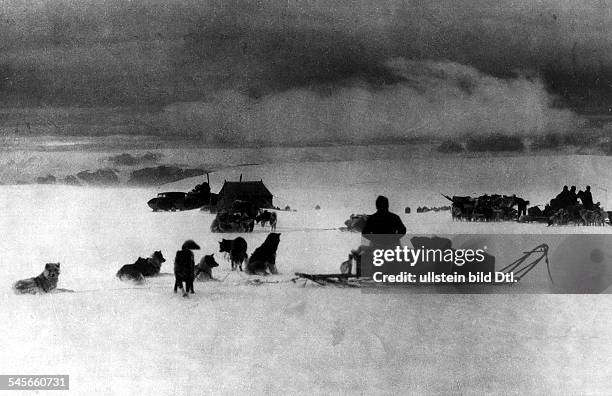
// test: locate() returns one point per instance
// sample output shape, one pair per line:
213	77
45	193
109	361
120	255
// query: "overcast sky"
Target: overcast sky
230	64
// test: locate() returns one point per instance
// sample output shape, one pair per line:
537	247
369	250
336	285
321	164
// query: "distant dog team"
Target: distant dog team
267	217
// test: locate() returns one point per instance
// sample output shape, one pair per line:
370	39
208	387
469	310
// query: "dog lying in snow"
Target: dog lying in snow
46	282
142	268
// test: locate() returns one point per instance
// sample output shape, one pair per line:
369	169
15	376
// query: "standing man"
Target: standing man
522	206
573	197
586	198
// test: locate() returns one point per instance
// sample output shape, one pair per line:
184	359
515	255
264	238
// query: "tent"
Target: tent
254	192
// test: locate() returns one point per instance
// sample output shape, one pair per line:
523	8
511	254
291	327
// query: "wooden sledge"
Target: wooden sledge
519	268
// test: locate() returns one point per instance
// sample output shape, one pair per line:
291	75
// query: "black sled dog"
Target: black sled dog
263	258
237	250
142	268
184	267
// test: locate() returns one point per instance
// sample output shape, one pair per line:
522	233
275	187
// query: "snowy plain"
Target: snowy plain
282	338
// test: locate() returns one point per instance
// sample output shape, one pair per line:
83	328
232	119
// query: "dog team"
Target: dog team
261	262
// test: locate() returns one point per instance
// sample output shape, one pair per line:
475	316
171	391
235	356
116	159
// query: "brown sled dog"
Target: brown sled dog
203	271
46	282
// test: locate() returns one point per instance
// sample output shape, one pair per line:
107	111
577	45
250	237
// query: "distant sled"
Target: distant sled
179	201
168	201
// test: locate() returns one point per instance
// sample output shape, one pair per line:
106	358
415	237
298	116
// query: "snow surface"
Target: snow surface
283	338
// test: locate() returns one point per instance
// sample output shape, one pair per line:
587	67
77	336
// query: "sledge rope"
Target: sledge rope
117	288
248	281
251	281
228	274
310	229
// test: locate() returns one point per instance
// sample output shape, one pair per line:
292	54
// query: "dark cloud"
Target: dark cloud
160	52
153	54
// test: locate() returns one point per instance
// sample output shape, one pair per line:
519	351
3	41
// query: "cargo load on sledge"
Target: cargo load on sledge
495	207
569	207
